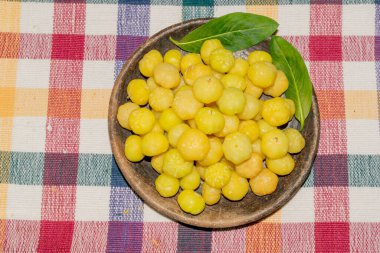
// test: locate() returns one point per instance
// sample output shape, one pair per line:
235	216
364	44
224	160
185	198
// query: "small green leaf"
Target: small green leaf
236	31
288	59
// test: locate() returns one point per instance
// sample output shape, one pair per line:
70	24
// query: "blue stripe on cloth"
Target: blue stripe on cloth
193	239
364	170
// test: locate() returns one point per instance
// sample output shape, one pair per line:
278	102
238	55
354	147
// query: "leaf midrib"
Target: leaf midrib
296	87
218	35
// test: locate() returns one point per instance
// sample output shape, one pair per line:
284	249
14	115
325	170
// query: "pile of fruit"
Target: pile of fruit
201	120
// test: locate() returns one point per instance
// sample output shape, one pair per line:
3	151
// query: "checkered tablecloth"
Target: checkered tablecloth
60	188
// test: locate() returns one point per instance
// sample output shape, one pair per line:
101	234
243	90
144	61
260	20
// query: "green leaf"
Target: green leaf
289	60
236	31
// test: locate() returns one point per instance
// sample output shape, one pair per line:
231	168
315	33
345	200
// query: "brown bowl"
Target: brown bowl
141	176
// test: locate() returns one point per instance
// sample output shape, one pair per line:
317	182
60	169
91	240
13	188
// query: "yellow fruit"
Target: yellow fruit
133	148
191	202
232	101
209	120
240	67
218	175
280	85
185	104
174	164
256	148
157	162
274	144
167	186
207	47
207	89
264	127
259	55
157	128
193	145
168	119
276	111
251	167
262	74
214	154
160	99
196	71
231	124
175	132
141	121
264	183
252	89
233	80
154	144
151	83
149	61
210	194
250	128
259	116
173	57
123	113
166	75
236	188
191	181
281	166
296	140
201	170
138	91
251	108
221	60
291	106
188	60
237	147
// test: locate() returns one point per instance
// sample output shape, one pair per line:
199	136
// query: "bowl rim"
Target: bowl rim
134	184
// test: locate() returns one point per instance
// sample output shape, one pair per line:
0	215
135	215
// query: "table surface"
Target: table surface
61	189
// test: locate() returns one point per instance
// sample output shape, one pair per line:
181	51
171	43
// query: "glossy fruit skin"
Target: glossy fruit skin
193	145
188	60
210	194
149	61
251	108
276	111
167	186
196	71
236	188
207	89
250	128
262	74
175	132
161	99
138	91
207	47
214	154
209	120
191	202
232	101
281	166
141	121
157	162
191	181
274	144
253	89
154	144
231	124
218	175
185	104
258	55
222	60
166	75
279	86
174	164
237	147
240	67
251	167
264	183
173	57
296	140
264	127
234	80
133	148
168	119
123	113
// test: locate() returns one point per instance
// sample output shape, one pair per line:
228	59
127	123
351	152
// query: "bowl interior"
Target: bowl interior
141	176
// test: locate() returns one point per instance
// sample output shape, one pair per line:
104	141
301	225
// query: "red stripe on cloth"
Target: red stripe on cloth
297	237
89	236
66	74
358	48
69	17
35	46
67	46
331	204
333	138
62	135
159	237
327	75
55	236
264	237
325	48
365	237
22	236
302	45
332	237
58	203
229	240
100	47
329	110
325	19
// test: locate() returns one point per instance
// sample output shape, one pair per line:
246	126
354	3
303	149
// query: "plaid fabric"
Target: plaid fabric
61	190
